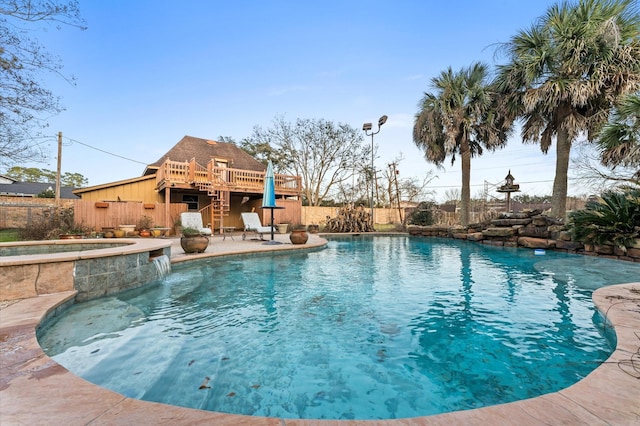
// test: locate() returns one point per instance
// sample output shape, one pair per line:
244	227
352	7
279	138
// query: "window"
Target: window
191	201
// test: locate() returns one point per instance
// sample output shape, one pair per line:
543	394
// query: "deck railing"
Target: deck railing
222	178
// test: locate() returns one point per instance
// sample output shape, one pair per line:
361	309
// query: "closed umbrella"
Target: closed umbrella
269	196
269	193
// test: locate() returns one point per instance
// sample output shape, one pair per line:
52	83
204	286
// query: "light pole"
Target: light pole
367	127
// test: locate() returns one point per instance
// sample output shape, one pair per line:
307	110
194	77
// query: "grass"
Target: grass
387	227
9	235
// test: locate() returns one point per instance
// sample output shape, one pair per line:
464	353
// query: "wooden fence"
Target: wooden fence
318	215
100	215
18	212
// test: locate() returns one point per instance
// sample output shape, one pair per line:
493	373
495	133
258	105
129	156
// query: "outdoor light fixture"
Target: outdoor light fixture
367	127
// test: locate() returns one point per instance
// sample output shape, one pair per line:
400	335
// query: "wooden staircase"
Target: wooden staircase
220	204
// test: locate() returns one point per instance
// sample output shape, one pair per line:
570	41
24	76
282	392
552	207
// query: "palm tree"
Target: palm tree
566	72
459	118
619	139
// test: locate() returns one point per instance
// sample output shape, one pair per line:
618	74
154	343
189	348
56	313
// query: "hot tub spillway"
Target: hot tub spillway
162	264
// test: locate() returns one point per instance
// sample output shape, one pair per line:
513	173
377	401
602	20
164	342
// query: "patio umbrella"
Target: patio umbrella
269	196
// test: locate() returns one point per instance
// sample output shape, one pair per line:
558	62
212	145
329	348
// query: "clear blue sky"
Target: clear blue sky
151	71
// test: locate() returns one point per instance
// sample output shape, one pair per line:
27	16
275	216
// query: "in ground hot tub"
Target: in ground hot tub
92	267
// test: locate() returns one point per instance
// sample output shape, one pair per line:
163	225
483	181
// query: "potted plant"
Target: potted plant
177	226
299	235
144	226
157	231
192	241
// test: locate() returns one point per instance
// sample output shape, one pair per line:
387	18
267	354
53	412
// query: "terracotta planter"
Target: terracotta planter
70	236
194	243
145	233
298	236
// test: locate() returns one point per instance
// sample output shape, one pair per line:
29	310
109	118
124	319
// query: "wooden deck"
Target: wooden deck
191	175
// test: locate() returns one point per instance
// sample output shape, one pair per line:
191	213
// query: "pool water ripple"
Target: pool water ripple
368	328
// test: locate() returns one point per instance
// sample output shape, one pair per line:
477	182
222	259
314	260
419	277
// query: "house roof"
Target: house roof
31	189
203	150
6	179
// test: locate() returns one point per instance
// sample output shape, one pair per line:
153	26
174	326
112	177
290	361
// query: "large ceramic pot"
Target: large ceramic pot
194	243
298	236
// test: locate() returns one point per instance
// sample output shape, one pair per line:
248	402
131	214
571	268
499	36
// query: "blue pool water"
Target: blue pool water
367	328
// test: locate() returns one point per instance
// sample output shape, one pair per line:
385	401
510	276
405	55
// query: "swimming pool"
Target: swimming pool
367	328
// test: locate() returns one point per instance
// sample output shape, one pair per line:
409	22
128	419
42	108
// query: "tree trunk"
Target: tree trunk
559	196
465	197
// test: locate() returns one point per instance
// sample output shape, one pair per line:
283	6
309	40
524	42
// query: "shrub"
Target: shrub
615	219
190	232
48	227
422	215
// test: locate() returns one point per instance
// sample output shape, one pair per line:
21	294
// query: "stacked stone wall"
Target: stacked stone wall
527	230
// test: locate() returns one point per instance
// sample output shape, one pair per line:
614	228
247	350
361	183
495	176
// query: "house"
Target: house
217	179
12	188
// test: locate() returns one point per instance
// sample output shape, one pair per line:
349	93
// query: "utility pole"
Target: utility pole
394	174
58	169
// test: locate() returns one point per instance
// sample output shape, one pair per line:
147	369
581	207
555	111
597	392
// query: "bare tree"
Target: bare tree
452	195
596	177
405	189
322	153
25	103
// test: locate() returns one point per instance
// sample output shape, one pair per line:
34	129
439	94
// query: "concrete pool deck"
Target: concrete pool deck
35	390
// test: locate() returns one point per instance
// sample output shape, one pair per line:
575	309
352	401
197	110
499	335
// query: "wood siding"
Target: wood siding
141	191
87	213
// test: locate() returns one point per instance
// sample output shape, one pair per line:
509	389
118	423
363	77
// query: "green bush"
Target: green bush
422	215
613	220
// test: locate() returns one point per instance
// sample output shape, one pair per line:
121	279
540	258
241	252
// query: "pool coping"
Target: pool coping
34	389
117	246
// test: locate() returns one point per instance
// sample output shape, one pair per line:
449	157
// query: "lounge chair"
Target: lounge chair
194	220
252	224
